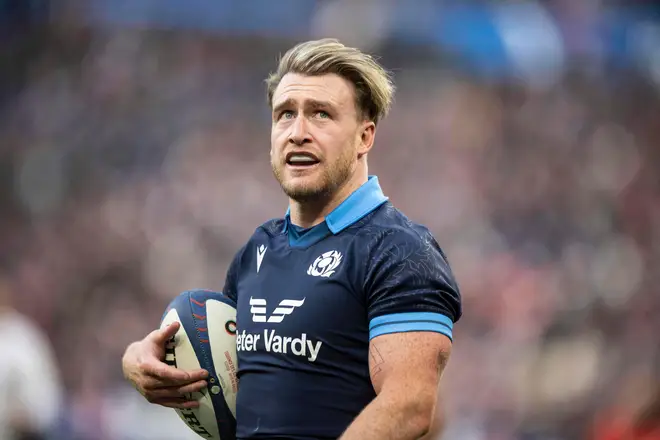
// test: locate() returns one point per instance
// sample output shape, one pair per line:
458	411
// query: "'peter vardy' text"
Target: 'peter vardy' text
270	341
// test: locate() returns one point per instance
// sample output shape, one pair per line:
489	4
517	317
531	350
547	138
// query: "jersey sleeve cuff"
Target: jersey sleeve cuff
411	322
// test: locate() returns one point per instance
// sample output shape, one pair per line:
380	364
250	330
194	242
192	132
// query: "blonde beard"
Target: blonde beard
329	182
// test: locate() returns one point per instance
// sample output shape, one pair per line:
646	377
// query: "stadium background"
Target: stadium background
134	141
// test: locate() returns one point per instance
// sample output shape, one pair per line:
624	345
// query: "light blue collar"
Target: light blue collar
360	203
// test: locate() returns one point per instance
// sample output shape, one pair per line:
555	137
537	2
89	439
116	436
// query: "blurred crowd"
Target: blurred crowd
134	164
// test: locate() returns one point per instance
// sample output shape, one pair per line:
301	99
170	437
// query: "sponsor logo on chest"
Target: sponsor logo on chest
270	341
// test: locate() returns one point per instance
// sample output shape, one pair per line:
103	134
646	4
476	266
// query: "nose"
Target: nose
299	134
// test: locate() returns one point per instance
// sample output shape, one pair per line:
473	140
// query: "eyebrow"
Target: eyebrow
310	103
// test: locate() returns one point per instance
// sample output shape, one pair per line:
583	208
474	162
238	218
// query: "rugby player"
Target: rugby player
345	307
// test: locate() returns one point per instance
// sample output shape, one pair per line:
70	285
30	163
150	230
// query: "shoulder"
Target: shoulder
389	228
271	228
256	243
18	324
407	273
261	235
33	339
401	249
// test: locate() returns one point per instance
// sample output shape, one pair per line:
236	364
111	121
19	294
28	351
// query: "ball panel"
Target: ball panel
197	320
180	354
192	310
220	328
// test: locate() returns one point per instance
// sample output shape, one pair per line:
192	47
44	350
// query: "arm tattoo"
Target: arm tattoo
377	361
443	359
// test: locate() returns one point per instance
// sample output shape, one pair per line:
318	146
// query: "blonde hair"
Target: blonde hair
373	86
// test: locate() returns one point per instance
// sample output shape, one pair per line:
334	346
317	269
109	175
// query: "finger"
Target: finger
174	392
161	336
177	403
160	375
193	387
152	382
164	374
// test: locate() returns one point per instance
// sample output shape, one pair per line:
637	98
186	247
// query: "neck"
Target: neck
312	212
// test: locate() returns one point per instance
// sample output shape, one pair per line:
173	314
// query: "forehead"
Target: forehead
299	88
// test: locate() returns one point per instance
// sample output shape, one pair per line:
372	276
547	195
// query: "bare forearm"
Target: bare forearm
393	418
405	370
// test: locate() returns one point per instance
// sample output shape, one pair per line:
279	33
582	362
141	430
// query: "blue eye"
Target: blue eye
287	114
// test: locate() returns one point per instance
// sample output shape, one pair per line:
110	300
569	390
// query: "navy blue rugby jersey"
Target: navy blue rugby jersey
309	301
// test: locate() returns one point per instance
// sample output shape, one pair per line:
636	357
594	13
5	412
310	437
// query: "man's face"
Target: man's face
316	135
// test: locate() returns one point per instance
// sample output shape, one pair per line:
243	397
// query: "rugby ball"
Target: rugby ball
206	339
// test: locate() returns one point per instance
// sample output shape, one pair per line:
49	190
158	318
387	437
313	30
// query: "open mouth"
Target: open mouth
301	160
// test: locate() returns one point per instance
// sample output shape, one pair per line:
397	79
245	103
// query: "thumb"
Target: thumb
166	333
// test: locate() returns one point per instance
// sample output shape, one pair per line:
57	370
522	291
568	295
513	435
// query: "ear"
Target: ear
367	137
